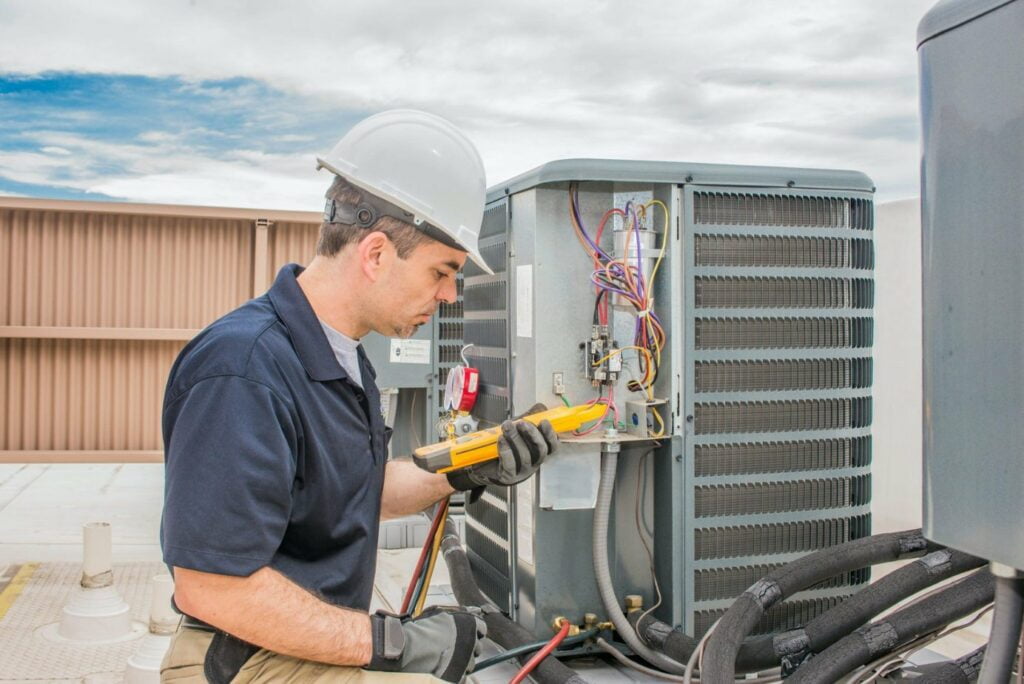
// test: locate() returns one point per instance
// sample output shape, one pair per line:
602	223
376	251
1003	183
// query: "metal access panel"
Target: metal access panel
972	106
767	296
776	300
490	522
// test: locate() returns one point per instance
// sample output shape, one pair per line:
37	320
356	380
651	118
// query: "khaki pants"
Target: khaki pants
183	664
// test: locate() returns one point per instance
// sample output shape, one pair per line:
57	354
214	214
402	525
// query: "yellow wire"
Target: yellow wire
619	350
664	241
647	373
657	417
652	327
434	553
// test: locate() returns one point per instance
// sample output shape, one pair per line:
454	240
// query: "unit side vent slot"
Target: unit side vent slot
804	374
495	221
492	583
491	332
496	256
487	296
448	353
491	408
782	416
781	617
494	519
491	553
739	251
450	330
781	497
783	293
493	371
750	209
780	457
450	309
777	538
783	333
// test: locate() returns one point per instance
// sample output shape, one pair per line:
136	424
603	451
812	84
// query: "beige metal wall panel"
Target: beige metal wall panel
121	271
96	301
83	395
291	242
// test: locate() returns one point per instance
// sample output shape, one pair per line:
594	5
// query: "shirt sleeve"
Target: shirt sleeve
231	449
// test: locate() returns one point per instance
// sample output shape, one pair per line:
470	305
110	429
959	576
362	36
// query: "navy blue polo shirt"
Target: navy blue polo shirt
274	457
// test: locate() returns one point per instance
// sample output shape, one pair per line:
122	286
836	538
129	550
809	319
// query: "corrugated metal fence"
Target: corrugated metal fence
96	300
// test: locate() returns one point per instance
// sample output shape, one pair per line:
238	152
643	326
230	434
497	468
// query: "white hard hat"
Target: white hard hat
422	164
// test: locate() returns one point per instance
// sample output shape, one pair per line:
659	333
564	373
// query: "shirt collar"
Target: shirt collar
308	338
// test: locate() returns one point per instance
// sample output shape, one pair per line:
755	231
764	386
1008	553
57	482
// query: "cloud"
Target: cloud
828	83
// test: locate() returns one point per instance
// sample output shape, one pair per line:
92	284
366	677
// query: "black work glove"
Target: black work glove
522	447
443	642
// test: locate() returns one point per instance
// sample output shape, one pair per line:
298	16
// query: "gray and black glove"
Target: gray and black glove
443	642
522	447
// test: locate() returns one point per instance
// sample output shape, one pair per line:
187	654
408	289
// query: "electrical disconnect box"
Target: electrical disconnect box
972	109
723	315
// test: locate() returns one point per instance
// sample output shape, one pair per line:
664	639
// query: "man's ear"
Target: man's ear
375	251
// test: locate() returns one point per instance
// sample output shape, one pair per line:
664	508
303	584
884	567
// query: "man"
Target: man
276	469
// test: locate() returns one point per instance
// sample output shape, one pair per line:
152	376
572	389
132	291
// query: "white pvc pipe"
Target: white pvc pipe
97	563
162	618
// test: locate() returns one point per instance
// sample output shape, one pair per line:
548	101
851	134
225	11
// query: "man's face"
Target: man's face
412	288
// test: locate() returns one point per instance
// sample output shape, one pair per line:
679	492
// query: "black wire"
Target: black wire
530	648
597	306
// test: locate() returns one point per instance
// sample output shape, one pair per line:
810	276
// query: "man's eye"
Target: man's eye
439	275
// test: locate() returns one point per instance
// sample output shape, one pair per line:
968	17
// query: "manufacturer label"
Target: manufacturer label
409	351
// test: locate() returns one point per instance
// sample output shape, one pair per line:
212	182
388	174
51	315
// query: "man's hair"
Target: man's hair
335	236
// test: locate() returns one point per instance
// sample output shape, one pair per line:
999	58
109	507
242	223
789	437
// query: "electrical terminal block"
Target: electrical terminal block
646	419
602	358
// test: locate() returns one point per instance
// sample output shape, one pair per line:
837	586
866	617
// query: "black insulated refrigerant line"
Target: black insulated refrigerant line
793	647
719	663
1005	634
899	629
500	629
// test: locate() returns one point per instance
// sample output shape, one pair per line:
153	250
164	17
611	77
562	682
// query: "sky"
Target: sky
228	103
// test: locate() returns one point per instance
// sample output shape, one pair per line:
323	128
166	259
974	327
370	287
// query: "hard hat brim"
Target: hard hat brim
472	252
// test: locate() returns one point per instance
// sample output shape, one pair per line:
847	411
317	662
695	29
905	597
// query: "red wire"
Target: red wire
603	310
423	556
543	653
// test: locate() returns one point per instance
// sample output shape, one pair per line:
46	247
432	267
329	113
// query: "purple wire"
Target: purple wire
640	286
579	221
616	270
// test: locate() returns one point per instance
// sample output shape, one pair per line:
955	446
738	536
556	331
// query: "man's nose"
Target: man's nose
448	292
